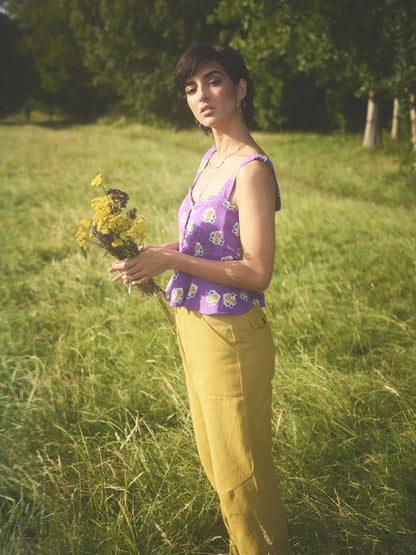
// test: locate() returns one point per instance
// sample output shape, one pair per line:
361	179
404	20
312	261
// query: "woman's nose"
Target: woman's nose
202	93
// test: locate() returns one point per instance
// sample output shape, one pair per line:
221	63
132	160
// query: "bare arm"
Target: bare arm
255	196
172	246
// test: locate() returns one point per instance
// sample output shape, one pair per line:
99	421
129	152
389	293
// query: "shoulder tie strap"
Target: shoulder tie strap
257	156
204	162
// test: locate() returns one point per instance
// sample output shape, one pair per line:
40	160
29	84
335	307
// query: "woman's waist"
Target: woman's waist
210	297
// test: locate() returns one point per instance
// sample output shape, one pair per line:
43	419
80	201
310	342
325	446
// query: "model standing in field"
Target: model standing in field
222	264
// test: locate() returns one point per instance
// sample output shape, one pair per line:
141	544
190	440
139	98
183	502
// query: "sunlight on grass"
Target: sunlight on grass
96	446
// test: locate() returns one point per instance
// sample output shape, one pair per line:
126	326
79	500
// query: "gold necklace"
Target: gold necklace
204	184
204	181
228	155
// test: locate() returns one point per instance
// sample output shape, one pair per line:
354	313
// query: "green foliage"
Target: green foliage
350	48
48	40
262	34
310	58
401	32
96	447
132	49
14	69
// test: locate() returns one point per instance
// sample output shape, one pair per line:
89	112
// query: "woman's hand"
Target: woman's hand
152	261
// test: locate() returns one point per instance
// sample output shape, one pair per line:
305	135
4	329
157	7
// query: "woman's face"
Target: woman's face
212	96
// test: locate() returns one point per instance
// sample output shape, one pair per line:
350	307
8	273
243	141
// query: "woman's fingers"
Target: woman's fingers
133	270
121	266
118	278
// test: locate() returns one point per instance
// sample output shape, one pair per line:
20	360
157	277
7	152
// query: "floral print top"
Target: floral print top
210	228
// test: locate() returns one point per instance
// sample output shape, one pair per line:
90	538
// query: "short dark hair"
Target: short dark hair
201	54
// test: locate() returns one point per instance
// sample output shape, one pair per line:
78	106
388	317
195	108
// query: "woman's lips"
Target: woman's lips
206	110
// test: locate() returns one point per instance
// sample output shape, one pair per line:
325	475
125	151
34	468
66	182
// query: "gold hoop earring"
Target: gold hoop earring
197	123
241	103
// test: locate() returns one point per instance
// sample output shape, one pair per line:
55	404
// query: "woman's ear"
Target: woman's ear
241	89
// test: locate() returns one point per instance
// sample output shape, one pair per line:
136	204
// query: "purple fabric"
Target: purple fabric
210	228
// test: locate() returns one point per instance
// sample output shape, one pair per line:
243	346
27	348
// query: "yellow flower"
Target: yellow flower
81	236
138	229
97	181
100	203
117	242
118	224
85	223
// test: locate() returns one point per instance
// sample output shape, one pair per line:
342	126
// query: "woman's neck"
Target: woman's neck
228	140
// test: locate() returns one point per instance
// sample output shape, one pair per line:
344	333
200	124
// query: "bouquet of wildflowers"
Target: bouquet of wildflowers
120	233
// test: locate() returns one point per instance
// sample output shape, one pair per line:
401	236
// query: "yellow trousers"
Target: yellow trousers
229	364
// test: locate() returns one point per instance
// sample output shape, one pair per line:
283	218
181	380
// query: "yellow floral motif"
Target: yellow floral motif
177	295
217	238
192	291
208	215
198	249
212	297
230	206
230	300
202	165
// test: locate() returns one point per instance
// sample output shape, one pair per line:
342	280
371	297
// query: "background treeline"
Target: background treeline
320	64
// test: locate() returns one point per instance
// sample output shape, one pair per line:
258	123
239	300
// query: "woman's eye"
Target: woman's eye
215	83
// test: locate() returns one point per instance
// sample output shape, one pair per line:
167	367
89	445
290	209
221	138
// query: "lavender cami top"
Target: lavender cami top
210	228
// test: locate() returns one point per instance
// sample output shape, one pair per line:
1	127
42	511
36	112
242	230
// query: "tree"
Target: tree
413	126
341	44
291	43
395	120
132	47
47	38
16	76
245	27
401	32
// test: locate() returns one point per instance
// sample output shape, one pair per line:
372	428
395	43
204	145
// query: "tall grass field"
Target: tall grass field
97	454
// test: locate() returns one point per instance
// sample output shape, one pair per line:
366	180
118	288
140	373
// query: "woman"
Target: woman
222	264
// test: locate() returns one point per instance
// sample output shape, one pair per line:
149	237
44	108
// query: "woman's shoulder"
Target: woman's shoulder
256	167
256	172
256	163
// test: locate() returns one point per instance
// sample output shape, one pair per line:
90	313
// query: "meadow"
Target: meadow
96	446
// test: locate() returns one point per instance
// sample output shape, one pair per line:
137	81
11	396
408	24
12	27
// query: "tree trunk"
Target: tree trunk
413	126
395	121
372	134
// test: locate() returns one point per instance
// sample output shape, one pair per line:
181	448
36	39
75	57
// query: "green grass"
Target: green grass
96	447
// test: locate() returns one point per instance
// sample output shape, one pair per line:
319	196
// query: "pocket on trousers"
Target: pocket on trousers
257	318
229	439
